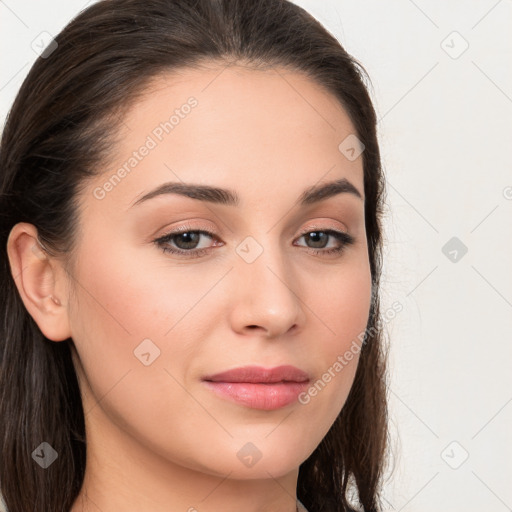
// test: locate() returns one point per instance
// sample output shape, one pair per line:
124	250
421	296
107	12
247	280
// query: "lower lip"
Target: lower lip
258	395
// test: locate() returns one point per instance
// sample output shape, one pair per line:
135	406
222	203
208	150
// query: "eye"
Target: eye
320	238
185	241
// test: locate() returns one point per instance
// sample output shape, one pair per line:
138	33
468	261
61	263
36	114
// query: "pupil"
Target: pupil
316	235
188	244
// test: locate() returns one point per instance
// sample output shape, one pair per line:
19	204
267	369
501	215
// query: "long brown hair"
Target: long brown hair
57	134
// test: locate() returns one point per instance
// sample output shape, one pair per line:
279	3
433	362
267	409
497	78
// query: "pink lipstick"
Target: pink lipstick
259	388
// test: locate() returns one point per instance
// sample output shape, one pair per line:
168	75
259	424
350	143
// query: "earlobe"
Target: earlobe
41	281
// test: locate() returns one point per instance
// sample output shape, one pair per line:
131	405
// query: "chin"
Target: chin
246	460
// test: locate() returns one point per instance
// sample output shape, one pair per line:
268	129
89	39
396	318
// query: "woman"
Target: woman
191	200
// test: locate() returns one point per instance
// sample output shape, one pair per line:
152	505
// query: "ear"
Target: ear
41	280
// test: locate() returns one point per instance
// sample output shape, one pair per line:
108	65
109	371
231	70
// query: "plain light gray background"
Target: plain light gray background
442	86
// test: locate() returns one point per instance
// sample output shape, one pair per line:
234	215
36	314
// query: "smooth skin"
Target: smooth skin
157	438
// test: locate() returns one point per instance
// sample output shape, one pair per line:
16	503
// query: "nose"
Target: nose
266	292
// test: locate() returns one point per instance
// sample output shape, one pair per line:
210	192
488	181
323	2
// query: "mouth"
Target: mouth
259	388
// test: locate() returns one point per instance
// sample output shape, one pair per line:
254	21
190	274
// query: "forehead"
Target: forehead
232	126
264	101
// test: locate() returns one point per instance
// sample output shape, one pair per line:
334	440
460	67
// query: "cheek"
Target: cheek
342	309
125	299
124	317
137	318
343	305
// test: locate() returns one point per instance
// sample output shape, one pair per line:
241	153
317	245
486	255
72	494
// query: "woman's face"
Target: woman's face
150	325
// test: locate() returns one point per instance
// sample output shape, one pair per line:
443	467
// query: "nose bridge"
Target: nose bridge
259	254
266	294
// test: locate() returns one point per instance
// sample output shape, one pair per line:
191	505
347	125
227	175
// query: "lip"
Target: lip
260	375
259	388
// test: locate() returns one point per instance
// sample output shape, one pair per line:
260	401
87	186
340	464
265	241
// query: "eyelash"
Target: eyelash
162	242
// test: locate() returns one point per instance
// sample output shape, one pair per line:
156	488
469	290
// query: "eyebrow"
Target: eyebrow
229	197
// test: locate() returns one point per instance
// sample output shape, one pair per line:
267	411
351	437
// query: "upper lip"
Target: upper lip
255	374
